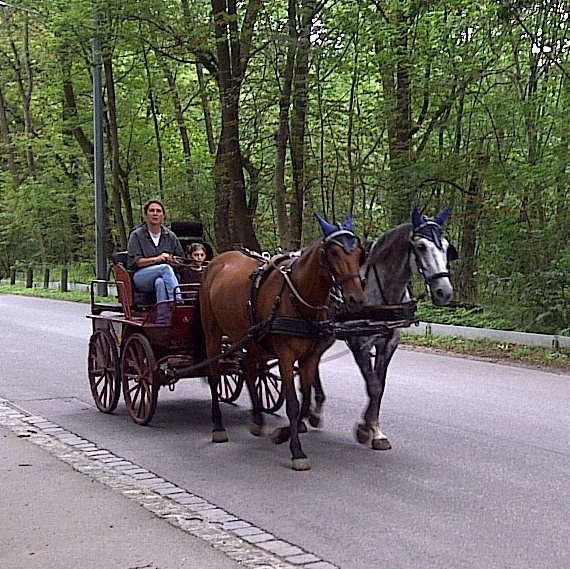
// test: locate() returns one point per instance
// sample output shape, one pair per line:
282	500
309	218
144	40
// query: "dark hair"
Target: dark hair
195	246
150	202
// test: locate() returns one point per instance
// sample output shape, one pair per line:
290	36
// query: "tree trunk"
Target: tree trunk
397	88
466	287
299	121
7	142
206	108
282	137
25	81
233	51
70	114
113	143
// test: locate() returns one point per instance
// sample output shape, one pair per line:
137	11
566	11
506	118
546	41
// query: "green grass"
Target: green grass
545	358
554	359
56	294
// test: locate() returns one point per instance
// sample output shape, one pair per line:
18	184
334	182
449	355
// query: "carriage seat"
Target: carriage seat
131	299
191	231
128	295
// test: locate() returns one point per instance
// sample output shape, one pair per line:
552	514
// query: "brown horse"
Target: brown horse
278	310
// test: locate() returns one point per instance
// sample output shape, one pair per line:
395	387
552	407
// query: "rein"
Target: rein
285	272
310	326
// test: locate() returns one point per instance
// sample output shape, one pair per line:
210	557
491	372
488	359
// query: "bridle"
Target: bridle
343	238
349	242
431	231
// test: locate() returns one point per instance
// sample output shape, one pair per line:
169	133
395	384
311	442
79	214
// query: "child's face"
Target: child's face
198	255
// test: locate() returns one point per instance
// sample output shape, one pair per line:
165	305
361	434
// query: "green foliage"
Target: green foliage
476	316
487	92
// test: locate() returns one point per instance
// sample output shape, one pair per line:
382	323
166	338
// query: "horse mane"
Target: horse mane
394	242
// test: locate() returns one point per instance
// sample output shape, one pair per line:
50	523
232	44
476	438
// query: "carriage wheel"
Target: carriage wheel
140	379
269	389
103	370
231	383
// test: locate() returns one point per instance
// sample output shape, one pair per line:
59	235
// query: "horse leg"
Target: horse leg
384	353
299	458
249	368
306	392
219	434
316	414
375	379
213	337
361	352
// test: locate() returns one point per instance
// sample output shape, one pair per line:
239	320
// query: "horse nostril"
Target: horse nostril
442	295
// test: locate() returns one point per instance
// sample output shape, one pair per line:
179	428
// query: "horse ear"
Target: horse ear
417	219
347	223
327	227
442	216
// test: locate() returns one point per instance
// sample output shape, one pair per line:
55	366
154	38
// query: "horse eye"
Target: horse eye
421	246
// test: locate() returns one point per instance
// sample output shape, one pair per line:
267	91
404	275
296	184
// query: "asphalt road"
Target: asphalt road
478	477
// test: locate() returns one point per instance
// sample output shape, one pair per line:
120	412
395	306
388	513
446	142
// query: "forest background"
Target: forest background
252	115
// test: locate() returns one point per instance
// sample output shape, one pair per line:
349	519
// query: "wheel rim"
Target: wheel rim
230	386
102	366
139	379
269	390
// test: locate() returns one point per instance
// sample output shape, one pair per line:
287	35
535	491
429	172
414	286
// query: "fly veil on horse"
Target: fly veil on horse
419	248
278	309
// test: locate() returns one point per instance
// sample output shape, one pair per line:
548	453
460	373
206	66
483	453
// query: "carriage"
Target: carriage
130	351
278	307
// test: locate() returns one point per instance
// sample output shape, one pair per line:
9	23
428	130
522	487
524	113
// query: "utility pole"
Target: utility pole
98	157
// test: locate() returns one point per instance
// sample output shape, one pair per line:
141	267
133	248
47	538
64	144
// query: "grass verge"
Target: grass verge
550	359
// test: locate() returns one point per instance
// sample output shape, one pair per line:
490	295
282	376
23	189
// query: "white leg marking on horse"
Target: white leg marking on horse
376	432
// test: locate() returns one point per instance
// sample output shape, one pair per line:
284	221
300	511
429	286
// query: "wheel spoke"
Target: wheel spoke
140	385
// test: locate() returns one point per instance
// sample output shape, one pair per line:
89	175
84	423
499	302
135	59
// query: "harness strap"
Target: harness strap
284	271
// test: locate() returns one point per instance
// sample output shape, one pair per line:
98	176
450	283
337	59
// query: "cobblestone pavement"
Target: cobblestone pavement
237	539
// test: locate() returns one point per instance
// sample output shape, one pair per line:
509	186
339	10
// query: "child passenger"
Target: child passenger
192	273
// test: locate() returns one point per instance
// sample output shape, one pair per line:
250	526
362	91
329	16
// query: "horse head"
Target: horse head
433	253
342	256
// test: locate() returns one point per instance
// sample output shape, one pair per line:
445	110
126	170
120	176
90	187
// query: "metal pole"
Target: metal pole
98	159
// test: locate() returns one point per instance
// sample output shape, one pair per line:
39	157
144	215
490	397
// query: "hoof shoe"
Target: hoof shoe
381	444
255	429
363	434
219	437
301	464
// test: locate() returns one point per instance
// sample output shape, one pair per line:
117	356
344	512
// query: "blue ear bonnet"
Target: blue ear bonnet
341	233
430	228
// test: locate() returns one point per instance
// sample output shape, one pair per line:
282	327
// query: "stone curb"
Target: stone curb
190	513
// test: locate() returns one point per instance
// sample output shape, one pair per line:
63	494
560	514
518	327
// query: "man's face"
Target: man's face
154	214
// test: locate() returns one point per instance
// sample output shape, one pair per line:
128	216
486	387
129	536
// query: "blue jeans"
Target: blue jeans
160	278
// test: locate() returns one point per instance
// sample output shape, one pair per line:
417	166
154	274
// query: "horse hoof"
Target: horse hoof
219	437
255	429
302	428
314	420
363	434
301	464
381	444
280	436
